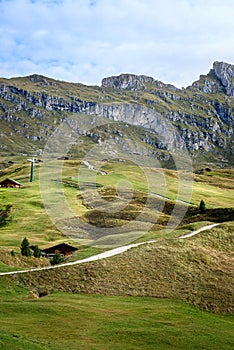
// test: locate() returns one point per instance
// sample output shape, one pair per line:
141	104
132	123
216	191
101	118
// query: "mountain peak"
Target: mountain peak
225	73
32	106
133	82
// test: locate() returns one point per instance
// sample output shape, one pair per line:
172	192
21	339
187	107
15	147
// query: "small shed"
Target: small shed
64	249
63	158
10	183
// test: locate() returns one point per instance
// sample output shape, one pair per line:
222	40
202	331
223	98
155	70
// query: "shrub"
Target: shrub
5	215
25	250
12	253
37	252
57	259
202	206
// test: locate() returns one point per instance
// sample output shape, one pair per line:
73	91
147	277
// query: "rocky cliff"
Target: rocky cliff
225	73
202	114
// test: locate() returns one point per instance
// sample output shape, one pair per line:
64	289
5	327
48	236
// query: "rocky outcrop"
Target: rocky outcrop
134	82
225	72
199	118
192	133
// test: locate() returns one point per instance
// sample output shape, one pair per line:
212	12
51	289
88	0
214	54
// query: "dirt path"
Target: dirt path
169	199
100	256
204	228
106	254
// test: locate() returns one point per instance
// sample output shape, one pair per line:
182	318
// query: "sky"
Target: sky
173	41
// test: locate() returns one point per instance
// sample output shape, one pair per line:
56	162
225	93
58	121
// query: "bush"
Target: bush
202	206
25	250
57	259
5	215
12	253
37	252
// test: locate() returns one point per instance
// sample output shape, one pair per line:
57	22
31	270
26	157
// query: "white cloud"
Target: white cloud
86	40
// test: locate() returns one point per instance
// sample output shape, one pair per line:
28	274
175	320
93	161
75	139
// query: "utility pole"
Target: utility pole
32	169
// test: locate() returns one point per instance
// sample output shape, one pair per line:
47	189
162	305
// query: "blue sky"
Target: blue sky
86	40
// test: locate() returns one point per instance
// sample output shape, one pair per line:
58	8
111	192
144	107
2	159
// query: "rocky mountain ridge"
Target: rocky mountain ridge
203	113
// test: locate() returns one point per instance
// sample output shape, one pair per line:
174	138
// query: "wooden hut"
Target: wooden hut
10	183
63	249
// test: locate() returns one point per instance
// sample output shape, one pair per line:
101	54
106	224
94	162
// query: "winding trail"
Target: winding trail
100	256
204	228
104	255
169	199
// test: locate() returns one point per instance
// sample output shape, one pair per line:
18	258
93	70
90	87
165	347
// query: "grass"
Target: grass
85	252
195	262
19	261
13	341
195	270
217	187
28	217
65	321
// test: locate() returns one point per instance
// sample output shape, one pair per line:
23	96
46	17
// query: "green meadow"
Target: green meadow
84	322
28	217
172	294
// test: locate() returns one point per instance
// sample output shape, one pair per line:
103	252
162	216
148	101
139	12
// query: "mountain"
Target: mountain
140	114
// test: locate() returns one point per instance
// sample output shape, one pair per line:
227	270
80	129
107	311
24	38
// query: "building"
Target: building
63	158
10	183
63	249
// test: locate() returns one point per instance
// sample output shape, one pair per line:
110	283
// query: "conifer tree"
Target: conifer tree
37	252
202	206
57	259
25	250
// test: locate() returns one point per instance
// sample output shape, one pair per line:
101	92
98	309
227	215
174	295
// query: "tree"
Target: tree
202	206
37	252
25	250
12	253
5	215
57	259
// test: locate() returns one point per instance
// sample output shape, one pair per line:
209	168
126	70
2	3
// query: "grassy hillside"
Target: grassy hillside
197	270
63	321
172	293
137	300
27	216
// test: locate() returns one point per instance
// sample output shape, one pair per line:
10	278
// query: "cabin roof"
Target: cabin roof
59	246
10	180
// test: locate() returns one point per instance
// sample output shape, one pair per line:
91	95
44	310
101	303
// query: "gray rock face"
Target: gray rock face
225	72
191	133
138	115
199	118
195	133
133	82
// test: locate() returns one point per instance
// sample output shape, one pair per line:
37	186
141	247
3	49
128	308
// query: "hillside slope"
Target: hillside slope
197	270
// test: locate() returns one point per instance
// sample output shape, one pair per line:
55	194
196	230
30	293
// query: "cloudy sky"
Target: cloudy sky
85	40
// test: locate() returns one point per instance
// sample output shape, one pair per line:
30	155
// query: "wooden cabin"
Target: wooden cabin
64	249
10	183
63	158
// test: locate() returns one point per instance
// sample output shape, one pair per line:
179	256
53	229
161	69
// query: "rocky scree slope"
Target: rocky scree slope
202	114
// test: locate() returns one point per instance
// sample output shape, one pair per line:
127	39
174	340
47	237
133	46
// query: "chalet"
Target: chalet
63	158
202	171
10	183
63	249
